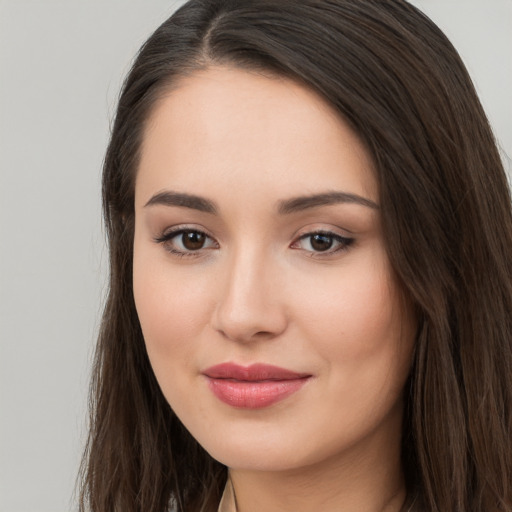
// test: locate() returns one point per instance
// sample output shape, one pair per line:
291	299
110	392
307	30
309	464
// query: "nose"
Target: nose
250	306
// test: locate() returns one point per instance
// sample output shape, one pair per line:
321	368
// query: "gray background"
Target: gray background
61	64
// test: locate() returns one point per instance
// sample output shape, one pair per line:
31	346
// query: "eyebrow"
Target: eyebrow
298	204
288	206
169	198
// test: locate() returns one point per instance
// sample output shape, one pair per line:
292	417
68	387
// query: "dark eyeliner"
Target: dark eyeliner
344	243
168	235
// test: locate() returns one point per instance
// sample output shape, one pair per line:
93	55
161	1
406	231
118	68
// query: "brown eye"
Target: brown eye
186	242
193	240
320	242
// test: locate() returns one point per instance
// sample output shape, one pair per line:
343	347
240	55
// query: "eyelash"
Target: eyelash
166	239
343	242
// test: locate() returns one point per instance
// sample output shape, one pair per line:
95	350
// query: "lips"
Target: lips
255	386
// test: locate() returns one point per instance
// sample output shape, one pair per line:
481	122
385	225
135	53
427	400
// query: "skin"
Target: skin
259	291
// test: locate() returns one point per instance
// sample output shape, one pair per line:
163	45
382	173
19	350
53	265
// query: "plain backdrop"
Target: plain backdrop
61	66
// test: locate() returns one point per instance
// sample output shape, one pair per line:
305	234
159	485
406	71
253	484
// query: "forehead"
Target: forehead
224	126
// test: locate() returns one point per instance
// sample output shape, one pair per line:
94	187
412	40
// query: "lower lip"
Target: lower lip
254	394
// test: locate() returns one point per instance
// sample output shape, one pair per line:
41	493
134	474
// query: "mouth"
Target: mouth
255	386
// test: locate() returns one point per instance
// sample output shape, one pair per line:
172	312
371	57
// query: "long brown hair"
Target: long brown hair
446	213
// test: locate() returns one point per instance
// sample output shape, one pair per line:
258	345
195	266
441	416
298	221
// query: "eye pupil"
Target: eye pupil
321	242
193	240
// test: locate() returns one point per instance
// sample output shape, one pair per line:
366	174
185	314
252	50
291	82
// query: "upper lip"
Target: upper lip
254	372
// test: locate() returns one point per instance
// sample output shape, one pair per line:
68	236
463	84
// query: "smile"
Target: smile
255	386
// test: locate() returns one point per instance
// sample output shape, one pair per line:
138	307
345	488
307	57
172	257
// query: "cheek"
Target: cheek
360	329
357	307
172	308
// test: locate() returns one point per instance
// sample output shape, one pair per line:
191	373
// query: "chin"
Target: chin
278	451
256	458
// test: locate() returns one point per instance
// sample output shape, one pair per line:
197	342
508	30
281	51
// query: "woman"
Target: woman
310	293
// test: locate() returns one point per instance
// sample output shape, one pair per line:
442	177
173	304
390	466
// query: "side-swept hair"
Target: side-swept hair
446	213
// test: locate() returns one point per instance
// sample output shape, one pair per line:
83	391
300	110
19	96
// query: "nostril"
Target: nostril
263	334
245	332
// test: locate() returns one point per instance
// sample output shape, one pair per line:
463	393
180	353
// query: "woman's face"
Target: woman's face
268	306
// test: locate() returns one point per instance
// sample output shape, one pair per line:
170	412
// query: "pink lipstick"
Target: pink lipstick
255	386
